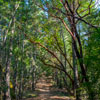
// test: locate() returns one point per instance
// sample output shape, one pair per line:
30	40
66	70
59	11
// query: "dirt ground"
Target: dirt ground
45	92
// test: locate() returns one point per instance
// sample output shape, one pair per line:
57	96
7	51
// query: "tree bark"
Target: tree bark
76	82
8	97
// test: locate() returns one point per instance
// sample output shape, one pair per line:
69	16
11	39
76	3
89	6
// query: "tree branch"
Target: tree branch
61	51
58	69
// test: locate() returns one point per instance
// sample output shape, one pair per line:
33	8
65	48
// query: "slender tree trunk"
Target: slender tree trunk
21	74
64	49
15	80
33	78
8	81
21	83
76	82
8	61
33	69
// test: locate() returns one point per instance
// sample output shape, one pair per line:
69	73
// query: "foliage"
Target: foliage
34	41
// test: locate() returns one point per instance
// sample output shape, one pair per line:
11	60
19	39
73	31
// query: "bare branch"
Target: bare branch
68	6
64	25
58	69
81	19
61	51
59	10
52	53
89	6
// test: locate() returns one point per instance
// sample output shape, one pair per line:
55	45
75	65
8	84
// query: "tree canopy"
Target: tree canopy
55	38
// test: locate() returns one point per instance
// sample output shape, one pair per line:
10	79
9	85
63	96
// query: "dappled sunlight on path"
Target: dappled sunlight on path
45	93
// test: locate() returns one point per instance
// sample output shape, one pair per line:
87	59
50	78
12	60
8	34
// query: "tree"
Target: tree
54	37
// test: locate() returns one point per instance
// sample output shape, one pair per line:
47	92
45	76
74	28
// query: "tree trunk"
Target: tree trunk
8	81
76	82
33	78
15	80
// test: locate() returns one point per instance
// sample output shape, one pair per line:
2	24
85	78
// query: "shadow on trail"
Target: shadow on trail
44	91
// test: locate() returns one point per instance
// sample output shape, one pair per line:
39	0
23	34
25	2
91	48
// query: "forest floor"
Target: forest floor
46	91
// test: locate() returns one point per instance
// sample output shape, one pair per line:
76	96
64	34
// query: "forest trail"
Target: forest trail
46	92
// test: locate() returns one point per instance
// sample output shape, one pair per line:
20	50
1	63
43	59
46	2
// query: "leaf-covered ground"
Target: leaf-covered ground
45	91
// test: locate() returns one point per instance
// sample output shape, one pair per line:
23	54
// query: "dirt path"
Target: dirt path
45	92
